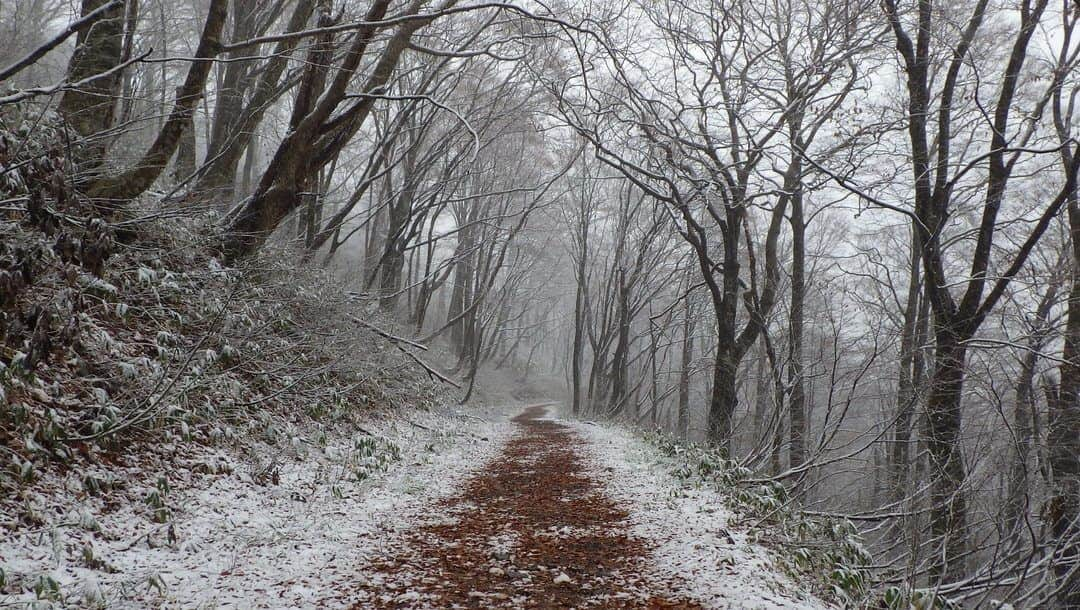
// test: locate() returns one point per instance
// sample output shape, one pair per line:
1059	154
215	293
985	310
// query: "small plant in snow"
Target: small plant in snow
229	354
372	455
87	522
897	598
24	470
147	276
47	589
154	581
185	431
166	339
18	360
92	596
98	287
156	500
108	417
88	558
170	284
128	370
95	486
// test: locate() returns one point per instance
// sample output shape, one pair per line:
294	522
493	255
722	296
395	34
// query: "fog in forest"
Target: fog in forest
831	248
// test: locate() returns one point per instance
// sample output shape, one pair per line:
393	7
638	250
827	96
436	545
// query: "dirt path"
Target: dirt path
530	530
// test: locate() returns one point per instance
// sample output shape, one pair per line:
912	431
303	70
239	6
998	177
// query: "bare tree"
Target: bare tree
937	174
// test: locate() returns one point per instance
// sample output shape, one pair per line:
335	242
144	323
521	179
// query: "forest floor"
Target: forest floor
537	527
479	507
533	529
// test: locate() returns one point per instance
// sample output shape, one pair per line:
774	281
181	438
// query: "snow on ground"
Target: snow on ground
287	529
290	524
695	551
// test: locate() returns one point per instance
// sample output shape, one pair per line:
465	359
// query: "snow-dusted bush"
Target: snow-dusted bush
152	345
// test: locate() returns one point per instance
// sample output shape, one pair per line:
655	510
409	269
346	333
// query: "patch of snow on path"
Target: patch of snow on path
695	552
232	543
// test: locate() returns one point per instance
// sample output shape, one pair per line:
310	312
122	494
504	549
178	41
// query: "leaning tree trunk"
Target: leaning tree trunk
234	82
112	191
318	137
221	166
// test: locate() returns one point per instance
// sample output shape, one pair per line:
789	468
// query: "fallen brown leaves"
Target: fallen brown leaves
533	530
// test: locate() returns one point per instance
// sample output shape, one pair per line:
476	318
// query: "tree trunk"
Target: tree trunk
684	372
654	401
463	279
1063	436
393	263
400	212
578	348
127	97
229	100
905	390
723	398
318	138
99	48
1016	500
948	511
111	192
1019	486
796	373
184	163
619	367
220	175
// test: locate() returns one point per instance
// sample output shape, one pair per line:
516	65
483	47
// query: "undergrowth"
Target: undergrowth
125	345
826	552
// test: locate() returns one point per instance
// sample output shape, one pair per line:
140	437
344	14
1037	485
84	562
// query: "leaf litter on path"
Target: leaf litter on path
534	529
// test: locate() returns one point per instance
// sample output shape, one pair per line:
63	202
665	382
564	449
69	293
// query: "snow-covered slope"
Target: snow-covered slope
244	537
302	524
696	550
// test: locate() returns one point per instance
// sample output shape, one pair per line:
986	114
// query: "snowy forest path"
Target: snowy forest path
532	529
